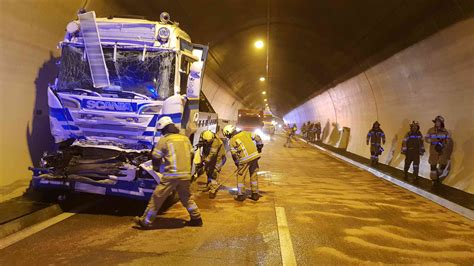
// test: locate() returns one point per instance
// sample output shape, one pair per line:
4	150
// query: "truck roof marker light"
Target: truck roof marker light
165	17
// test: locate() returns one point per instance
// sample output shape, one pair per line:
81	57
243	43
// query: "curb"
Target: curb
463	211
23	222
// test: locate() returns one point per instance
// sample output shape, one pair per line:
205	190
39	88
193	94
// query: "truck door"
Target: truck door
193	89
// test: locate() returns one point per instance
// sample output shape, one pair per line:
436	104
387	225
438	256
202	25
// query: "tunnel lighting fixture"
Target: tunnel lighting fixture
264	92
262	79
265	100
259	44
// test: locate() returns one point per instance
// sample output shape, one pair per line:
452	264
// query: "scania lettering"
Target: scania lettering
113	84
109	106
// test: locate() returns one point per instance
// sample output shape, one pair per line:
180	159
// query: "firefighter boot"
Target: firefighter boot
146	220
194	222
239	198
255	196
212	194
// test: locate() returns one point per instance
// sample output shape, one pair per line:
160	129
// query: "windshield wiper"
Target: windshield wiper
87	91
118	89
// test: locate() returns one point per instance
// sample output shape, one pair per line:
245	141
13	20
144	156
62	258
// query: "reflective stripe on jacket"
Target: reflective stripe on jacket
216	151
176	151
376	136
413	142
243	147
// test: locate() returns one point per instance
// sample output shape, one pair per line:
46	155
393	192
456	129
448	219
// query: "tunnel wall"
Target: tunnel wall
30	32
432	77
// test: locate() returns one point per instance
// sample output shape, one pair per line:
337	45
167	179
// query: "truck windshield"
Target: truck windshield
250	121
130	77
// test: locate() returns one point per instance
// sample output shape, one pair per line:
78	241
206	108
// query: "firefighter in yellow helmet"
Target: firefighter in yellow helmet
213	159
245	148
176	152
441	148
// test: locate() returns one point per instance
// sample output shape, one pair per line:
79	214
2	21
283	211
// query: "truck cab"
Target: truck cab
117	77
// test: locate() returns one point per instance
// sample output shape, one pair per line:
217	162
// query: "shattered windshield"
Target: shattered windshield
129	75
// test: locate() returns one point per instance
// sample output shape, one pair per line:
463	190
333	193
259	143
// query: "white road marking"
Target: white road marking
29	231
286	246
13	238
468	213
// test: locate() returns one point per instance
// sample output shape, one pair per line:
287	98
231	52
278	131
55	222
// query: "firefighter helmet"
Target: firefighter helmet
163	122
439	118
228	130
207	135
415	124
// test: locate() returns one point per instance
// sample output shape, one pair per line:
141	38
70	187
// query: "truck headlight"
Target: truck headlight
71	104
150	110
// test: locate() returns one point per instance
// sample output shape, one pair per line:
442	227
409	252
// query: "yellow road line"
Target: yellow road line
286	246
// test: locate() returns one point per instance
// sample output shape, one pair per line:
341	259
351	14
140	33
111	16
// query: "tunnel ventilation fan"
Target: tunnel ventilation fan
95	54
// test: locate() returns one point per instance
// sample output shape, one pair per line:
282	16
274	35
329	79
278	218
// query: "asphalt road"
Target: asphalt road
335	214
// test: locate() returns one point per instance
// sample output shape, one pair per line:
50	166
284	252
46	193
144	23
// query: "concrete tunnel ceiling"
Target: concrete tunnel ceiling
312	44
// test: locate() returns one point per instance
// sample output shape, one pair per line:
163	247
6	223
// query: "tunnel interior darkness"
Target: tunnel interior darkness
325	58
312	44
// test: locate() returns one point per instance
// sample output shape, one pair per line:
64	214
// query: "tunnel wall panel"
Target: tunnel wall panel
432	77
29	34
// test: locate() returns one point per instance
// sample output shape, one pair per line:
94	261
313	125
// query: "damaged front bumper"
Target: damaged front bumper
97	171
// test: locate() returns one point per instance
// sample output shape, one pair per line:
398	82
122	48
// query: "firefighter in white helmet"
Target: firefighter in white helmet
245	148
441	147
176	152
213	159
413	148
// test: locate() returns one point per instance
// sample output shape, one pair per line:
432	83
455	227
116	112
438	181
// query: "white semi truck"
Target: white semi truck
117	77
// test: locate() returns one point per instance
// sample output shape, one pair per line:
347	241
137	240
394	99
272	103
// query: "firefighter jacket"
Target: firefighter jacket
441	145
376	136
243	147
216	152
413	143
177	152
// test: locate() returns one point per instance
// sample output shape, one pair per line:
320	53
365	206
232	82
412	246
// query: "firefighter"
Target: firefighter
245	148
304	130
413	148
441	146
318	131
290	133
376	137
176	152
213	159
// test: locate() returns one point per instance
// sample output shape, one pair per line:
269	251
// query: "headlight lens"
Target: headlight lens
150	110
70	104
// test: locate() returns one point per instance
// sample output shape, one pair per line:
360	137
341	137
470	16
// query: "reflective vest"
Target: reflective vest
243	148
176	151
216	151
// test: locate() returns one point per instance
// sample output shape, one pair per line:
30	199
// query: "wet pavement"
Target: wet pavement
336	213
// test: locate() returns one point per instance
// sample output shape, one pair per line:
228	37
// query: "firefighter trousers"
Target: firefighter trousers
213	173
164	189
412	157
245	171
